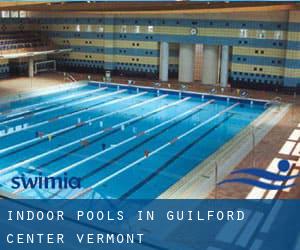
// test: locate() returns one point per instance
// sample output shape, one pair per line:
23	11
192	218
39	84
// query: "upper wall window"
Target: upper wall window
278	35
261	34
137	29
22	14
243	33
5	14
123	29
14	14
89	28
100	29
150	29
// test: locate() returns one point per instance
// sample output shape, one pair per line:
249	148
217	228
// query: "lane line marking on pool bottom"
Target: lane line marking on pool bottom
55	108
54	133
78	125
82	192
27	107
117	126
16	165
33	107
83	110
198	107
44	93
43	105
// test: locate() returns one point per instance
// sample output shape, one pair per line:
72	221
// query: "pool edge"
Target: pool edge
175	91
201	181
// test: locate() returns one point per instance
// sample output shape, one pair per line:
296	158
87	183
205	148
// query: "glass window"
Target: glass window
243	33
22	14
278	35
78	27
14	14
123	29
5	14
89	28
261	34
137	29
150	29
100	29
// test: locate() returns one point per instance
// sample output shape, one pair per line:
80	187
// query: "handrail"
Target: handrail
213	91
183	87
156	85
70	77
275	101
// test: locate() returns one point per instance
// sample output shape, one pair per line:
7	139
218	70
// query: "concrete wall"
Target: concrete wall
265	46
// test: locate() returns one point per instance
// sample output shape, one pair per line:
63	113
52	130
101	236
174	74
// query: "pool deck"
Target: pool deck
281	142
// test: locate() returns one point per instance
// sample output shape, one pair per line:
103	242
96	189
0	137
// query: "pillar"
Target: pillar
31	67
198	62
164	62
210	67
186	63
224	66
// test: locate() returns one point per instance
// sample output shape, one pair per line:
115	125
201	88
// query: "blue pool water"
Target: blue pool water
122	142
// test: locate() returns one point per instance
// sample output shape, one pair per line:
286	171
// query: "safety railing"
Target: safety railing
277	101
69	78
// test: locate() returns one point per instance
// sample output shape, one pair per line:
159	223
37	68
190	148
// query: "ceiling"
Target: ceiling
140	7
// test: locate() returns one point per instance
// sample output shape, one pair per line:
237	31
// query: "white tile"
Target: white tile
287	148
256	193
296	151
271	194
295	135
291	181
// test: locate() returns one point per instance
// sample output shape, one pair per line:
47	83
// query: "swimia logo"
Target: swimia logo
267	180
44	182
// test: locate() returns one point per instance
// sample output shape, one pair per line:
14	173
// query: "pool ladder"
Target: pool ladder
274	102
69	77
157	85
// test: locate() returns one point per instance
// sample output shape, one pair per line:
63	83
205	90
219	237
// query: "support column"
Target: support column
224	66
31	67
210	64
164	62
198	62
186	63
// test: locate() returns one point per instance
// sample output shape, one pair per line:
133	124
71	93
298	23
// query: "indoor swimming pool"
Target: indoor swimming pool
121	141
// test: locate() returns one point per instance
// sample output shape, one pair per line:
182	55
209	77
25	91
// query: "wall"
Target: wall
265	46
16	25
292	54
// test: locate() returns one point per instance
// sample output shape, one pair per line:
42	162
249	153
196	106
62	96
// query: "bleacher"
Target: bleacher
23	42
